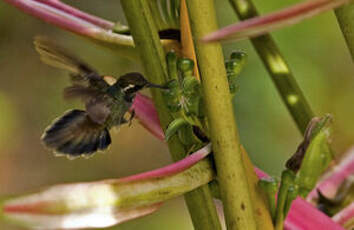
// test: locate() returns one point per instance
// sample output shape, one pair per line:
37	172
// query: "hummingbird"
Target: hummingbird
84	132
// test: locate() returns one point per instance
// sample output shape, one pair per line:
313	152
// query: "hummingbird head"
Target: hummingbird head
133	82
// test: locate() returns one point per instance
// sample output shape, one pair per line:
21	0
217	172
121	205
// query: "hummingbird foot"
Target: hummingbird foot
132	115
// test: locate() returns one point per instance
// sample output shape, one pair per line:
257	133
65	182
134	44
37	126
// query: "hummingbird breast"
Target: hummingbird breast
119	106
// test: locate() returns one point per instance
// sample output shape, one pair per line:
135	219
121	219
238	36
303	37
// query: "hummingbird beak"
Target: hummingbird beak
151	85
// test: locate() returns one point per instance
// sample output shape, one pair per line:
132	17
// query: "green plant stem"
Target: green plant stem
345	17
231	172
278	69
145	35
287	179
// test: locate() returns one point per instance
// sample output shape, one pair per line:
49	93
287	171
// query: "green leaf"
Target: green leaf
175	126
316	160
270	187
287	180
234	66
192	96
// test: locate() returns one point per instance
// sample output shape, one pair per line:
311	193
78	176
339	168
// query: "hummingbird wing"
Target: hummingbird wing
85	93
58	57
97	103
88	85
98	109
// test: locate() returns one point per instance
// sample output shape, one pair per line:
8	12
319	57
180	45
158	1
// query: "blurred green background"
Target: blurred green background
30	98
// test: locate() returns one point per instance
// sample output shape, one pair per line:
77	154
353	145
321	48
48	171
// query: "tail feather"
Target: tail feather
105	139
75	134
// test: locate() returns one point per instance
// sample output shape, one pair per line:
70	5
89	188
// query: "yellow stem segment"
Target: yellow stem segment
186	38
235	192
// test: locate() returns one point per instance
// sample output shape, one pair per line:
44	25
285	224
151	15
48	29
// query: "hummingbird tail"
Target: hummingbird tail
75	134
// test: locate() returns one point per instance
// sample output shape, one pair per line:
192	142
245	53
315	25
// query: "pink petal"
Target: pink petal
79	14
174	168
332	179
304	216
99	204
345	216
263	24
73	20
53	16
147	115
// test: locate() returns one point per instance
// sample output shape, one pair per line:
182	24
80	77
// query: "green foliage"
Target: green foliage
184	101
166	16
283	201
315	160
270	187
184	98
166	13
234	66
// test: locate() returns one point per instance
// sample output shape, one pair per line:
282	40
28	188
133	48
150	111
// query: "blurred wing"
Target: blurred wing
88	85
56	56
82	92
97	103
98	109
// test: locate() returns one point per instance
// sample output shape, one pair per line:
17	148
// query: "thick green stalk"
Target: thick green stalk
144	32
278	69
287	179
231	172
345	17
